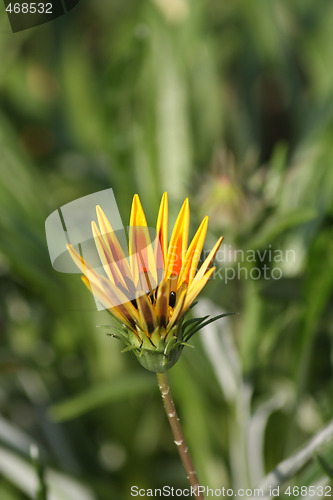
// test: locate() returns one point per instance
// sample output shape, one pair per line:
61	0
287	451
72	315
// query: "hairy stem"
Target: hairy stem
178	434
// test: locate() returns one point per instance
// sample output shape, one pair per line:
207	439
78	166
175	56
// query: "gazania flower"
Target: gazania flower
150	291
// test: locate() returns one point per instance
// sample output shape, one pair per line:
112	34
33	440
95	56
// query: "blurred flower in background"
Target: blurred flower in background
230	203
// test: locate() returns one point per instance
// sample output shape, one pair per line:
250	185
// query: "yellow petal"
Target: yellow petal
115	295
106	257
196	288
113	243
180	290
140	248
178	310
106	302
120	300
208	261
137	217
162	233
178	241
84	267
193	253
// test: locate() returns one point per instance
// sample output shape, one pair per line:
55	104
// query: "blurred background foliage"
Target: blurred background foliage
231	104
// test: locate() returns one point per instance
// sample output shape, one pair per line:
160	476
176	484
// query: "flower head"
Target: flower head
150	291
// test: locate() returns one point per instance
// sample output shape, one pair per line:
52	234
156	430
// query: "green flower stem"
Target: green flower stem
178	433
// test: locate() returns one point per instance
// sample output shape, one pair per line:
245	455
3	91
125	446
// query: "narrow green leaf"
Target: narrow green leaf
194	320
192	332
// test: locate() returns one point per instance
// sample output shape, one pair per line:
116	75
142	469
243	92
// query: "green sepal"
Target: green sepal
119	335
156	361
162	357
129	348
159	351
185	344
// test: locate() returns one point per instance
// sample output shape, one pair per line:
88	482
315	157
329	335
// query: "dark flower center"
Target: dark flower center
152	298
172	299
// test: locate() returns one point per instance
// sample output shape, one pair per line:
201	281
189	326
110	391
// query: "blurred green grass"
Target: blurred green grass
231	104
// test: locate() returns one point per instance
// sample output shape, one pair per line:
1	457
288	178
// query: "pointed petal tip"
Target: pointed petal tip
185	209
210	272
163	208
71	249
103	221
205	225
137	217
185	206
99	211
95	229
136	203
164	200
136	199
216	247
